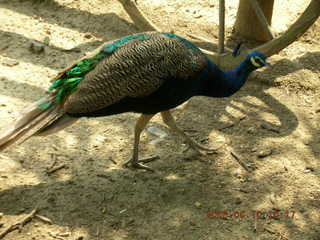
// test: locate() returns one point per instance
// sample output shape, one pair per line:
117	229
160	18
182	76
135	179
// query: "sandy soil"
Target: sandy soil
276	114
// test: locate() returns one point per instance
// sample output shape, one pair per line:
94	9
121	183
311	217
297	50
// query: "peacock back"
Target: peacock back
132	66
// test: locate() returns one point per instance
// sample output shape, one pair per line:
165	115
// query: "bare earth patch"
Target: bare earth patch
271	126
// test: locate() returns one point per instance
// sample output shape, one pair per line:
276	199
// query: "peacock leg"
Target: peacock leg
134	161
171	123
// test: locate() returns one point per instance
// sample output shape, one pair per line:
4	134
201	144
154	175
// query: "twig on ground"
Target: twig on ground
44	219
233	123
255	224
54	160
112	160
240	162
227	126
19	224
56	169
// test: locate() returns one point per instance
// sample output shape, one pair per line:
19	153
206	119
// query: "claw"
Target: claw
137	164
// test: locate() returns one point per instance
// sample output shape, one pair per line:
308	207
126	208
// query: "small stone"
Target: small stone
1	215
192	223
1	225
244	190
66	234
46	40
302	210
10	63
254	149
198	204
308	169
251	130
264	153
269	127
36	47
197	16
157	132
87	35
237	173
103	210
306	141
273	198
238	201
21	210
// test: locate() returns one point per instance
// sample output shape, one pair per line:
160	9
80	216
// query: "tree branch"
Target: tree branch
302	24
19	224
262	18
138	17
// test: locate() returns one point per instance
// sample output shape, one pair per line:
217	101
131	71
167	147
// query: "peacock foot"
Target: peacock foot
200	149
139	164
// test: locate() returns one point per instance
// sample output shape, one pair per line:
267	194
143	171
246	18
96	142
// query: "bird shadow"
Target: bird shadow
283	122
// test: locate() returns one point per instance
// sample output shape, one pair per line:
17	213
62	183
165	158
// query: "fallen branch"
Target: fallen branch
230	125
19	224
240	162
44	219
56	169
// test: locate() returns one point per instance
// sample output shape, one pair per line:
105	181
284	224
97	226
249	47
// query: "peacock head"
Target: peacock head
257	59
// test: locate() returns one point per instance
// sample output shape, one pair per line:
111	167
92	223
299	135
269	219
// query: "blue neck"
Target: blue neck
223	84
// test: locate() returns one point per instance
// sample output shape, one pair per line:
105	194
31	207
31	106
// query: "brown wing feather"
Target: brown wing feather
136	69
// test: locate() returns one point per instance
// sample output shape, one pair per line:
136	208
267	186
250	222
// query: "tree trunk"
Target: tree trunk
249	25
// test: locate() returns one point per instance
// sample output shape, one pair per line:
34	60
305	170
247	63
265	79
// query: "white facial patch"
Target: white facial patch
255	62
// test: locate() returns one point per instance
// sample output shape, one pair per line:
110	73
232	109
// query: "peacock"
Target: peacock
146	73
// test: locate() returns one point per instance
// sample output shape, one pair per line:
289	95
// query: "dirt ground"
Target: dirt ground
272	125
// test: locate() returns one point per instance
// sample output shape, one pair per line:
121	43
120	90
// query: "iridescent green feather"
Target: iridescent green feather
69	81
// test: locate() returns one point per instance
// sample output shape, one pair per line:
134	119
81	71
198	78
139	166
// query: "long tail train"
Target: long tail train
47	116
36	120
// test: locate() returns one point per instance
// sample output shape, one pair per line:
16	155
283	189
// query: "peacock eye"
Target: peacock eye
260	61
257	61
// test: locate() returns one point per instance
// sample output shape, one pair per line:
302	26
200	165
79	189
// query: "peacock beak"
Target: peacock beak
267	64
